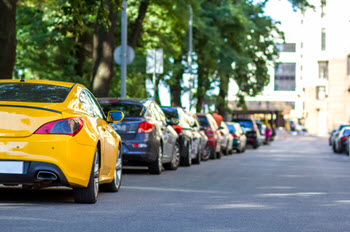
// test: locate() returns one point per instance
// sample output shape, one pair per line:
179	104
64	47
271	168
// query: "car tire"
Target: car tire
114	186
187	159
174	164
90	193
213	153
197	160
206	154
156	166
334	148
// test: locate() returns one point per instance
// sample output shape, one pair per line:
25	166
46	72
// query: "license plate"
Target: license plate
11	167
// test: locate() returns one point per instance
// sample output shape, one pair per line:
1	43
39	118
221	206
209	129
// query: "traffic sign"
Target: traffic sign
154	60
118	55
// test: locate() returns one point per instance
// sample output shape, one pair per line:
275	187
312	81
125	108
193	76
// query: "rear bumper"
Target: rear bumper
61	154
30	172
141	155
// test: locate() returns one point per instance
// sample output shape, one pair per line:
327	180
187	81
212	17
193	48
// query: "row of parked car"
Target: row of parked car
58	134
339	139
158	137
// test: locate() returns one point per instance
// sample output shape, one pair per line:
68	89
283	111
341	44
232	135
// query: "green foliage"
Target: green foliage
54	41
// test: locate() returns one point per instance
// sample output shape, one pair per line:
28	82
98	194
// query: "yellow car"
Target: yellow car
55	134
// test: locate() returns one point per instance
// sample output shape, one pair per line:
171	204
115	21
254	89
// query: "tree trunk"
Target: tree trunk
137	26
7	38
83	52
221	100
103	47
175	86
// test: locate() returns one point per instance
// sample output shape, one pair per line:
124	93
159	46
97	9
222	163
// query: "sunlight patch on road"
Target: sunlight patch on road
172	189
28	219
239	206
343	201
276	187
305	194
293	176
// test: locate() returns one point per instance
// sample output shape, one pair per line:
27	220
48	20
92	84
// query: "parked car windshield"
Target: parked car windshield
346	132
245	123
170	113
129	109
31	92
203	121
231	128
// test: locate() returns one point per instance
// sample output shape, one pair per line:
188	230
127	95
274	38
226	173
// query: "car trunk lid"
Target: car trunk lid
24	120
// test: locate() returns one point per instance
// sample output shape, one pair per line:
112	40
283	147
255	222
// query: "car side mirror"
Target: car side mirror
115	116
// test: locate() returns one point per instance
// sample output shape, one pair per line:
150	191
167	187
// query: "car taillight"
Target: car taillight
344	138
67	126
209	132
177	128
145	127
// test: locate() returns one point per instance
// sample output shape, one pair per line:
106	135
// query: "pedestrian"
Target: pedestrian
218	118
268	133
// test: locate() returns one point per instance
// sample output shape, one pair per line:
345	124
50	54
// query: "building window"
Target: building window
348	65
320	92
291	104
323	70
323	39
285	76
286	47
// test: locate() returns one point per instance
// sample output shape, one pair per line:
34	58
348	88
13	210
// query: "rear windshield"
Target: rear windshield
31	92
170	113
244	123
203	121
231	127
129	109
346	132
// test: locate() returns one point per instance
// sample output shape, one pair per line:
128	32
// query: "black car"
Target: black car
179	118
340	141
250	129
147	138
335	133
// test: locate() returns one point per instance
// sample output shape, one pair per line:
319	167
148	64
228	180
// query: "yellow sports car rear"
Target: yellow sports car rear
55	133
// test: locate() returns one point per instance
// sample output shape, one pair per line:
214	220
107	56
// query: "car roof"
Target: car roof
46	82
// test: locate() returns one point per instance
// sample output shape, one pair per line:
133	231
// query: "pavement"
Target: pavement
294	184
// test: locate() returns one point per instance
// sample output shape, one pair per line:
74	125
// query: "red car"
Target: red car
211	129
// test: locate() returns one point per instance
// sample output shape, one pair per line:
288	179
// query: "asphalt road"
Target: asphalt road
295	184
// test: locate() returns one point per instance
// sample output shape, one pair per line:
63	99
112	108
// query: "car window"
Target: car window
160	113
97	111
346	132
129	109
212	122
170	112
84	100
231	128
32	92
245	123
203	121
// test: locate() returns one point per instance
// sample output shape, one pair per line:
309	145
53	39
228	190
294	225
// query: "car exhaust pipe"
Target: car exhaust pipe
46	175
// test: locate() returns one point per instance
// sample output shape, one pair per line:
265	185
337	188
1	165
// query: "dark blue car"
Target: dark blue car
147	138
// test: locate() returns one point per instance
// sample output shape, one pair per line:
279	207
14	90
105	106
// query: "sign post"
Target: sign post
124	51
154	65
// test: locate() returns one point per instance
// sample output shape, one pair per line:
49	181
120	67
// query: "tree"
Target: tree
7	37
